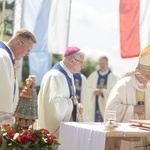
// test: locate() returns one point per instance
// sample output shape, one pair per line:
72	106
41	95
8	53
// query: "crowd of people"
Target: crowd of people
67	95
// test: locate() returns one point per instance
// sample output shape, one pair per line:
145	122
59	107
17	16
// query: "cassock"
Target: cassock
92	84
8	85
54	102
123	97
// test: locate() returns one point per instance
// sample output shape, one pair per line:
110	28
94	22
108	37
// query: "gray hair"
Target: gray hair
75	55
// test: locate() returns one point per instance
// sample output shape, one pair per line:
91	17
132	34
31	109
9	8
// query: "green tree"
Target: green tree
56	58
89	67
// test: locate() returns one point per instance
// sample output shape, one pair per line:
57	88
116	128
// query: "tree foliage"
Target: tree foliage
89	67
56	58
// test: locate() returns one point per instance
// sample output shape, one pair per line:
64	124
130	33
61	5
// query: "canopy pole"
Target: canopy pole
3	19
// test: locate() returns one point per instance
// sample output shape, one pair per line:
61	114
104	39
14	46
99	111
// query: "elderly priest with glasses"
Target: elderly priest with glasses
56	99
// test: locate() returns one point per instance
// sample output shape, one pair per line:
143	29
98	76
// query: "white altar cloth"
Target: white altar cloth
92	136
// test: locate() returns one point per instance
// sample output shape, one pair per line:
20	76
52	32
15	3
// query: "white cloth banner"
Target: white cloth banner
144	23
35	16
48	20
59	20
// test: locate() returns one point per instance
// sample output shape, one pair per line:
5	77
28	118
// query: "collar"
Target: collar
10	50
104	73
66	69
137	84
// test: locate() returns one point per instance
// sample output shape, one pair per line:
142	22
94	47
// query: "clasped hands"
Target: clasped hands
139	109
79	105
97	92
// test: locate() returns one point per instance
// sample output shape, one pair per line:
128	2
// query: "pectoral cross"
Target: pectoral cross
78	87
73	97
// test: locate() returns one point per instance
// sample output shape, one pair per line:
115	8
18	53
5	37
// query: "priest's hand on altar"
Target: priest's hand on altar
75	100
79	116
139	109
79	105
80	108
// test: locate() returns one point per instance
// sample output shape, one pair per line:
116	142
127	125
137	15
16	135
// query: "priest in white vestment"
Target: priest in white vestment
130	97
100	83
55	101
15	49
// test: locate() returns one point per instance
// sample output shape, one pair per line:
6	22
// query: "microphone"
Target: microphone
139	74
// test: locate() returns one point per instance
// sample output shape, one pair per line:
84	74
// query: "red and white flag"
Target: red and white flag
134	26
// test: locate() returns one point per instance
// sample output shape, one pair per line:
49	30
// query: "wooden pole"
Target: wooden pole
68	29
3	19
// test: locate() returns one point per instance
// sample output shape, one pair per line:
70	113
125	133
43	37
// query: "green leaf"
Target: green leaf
4	144
27	144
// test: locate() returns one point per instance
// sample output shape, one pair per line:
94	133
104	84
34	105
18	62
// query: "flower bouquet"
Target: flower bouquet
16	138
21	135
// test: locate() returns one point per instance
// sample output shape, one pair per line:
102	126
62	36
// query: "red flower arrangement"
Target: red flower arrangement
15	137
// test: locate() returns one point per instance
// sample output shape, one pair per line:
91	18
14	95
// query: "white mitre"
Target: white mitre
144	59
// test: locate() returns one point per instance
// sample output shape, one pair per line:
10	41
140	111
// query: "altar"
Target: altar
94	136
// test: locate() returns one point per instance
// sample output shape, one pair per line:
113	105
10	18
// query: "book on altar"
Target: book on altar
140	123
